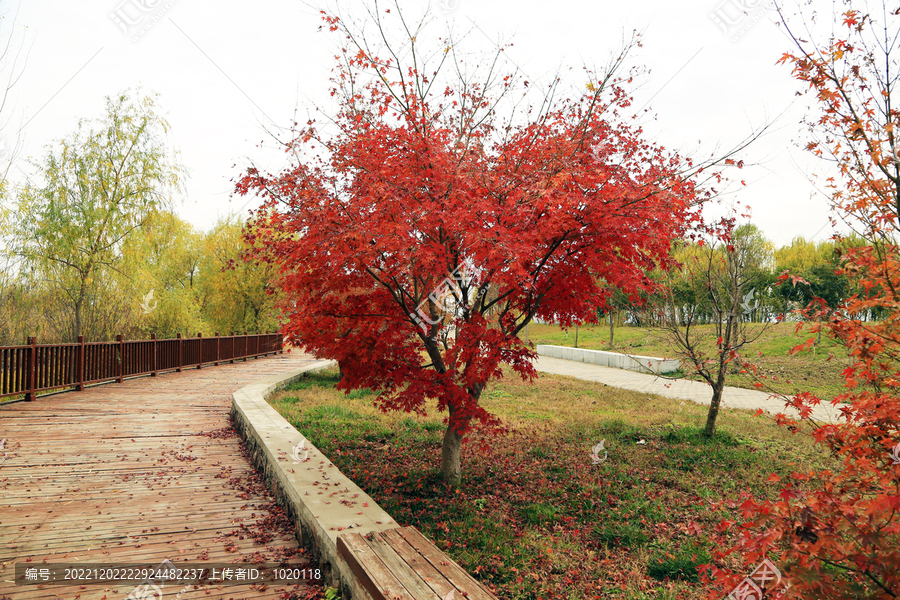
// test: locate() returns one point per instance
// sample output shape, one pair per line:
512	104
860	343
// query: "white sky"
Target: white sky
227	69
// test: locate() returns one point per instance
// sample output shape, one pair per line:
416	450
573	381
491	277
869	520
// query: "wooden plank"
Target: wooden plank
438	583
455	574
94	477
403	571
373	575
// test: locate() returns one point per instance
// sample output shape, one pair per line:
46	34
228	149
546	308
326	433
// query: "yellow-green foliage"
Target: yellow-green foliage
234	293
100	185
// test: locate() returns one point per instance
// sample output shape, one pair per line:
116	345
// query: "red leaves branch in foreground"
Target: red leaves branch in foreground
834	531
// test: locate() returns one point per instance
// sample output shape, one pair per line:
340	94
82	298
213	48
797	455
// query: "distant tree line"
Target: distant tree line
94	247
816	266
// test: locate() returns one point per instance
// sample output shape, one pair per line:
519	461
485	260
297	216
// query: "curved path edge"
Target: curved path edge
680	389
321	501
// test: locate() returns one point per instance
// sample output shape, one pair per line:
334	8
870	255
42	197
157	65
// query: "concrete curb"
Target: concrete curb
641	364
320	500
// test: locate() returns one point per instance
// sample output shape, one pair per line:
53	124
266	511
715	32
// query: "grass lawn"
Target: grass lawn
817	370
534	518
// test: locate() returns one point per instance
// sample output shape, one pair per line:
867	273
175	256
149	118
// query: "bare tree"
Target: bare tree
13	60
716	279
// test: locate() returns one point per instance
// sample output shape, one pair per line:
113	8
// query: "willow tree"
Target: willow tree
235	294
100	185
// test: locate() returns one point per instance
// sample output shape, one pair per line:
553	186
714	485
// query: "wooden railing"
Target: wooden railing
35	368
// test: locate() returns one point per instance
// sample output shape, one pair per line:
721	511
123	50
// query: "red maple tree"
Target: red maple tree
419	232
835	533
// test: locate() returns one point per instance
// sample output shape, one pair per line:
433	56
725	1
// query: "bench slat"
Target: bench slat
375	577
403	571
429	574
455	574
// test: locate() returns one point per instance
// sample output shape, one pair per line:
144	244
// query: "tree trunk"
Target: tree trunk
714	409
612	326
78	306
451	469
450	466
718	385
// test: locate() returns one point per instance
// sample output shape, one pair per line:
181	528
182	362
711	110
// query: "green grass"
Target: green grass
619	534
539	514
680	563
534	517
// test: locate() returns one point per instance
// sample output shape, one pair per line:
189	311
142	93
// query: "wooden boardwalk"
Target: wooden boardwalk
139	472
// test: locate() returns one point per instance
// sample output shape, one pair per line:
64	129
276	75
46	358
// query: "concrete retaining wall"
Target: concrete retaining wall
320	512
642	364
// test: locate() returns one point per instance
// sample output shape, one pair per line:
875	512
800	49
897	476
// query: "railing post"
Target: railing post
232	347
200	343
180	352
121	377
79	365
246	346
217	348
280	342
154	363
32	367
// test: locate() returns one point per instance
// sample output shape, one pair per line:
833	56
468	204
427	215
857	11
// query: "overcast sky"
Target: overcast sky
227	70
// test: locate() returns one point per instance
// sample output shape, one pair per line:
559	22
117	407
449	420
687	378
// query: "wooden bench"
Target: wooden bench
403	564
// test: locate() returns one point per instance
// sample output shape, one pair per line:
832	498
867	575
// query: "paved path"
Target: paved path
683	389
141	471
